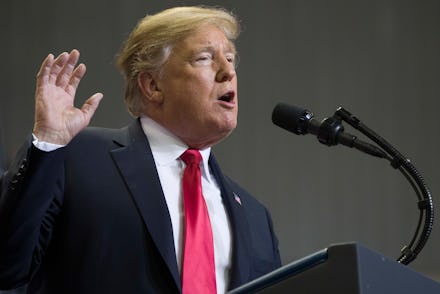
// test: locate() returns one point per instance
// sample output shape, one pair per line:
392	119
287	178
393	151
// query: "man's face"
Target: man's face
198	87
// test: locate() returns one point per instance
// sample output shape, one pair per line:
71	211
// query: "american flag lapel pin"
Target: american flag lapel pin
237	198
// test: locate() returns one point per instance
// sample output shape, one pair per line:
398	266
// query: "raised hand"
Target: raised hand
57	120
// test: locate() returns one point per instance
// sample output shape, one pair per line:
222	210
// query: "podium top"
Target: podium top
283	272
347	268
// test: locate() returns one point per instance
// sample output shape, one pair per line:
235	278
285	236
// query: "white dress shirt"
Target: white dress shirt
166	149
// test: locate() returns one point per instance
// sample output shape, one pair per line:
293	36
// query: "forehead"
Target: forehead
209	36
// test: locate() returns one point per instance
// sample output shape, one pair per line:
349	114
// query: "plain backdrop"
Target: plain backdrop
378	59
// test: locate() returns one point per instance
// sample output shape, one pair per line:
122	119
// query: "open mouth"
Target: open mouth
228	97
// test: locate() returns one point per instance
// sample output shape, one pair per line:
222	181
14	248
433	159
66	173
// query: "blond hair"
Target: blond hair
150	43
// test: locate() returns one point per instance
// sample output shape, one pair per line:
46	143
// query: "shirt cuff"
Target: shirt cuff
45	146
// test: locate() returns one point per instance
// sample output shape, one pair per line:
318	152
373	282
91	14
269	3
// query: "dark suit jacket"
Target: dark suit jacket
92	218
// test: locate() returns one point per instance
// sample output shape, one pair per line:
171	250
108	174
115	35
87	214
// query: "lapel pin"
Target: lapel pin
237	198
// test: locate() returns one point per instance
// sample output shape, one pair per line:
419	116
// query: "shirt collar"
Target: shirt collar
167	148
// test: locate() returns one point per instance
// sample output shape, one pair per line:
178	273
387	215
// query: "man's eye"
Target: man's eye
204	58
231	58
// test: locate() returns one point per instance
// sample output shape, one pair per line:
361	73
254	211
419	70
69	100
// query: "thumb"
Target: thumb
89	107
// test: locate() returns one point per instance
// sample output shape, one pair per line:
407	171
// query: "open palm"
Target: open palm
57	120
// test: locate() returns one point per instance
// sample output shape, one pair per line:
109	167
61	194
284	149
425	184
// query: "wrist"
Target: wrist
49	136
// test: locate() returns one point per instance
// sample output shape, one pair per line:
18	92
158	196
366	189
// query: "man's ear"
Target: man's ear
148	85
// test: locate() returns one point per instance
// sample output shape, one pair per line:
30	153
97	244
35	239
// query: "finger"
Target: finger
65	74
75	78
43	73
89	107
57	65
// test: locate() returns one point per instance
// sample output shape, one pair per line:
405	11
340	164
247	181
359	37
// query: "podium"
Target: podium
347	268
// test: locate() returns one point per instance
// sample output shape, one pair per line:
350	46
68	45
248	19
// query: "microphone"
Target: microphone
329	132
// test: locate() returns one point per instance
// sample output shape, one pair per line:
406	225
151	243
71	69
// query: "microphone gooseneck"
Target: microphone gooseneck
398	161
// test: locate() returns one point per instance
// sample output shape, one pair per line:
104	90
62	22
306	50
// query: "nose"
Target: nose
225	71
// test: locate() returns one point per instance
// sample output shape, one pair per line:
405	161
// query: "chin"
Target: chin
227	130
215	136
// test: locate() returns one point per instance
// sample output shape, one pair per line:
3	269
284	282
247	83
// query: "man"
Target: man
93	210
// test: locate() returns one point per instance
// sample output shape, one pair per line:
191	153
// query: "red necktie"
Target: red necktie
198	275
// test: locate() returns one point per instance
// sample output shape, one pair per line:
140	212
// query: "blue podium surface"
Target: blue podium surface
347	268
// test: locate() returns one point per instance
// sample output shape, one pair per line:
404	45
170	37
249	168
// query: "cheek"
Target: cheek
194	92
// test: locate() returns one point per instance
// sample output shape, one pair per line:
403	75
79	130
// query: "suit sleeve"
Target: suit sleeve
31	198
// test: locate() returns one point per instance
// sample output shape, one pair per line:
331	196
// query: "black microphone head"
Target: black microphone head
292	118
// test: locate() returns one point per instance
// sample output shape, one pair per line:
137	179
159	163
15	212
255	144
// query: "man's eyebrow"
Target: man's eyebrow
229	49
204	49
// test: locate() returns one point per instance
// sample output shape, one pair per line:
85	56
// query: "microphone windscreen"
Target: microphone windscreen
291	118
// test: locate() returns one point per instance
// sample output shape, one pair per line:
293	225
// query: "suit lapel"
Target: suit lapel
241	261
136	164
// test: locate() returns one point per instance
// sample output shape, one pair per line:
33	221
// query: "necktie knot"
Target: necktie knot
191	156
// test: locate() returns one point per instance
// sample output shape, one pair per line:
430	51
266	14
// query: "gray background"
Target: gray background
378	59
